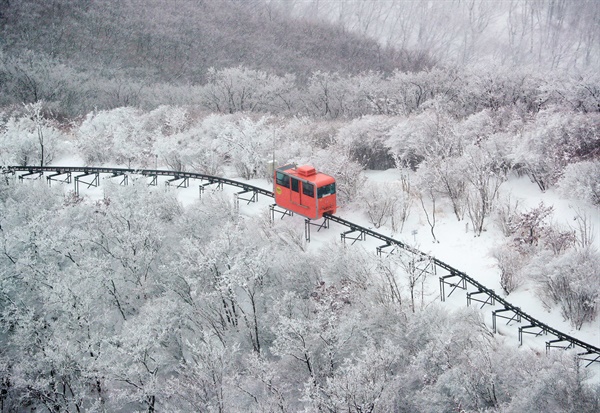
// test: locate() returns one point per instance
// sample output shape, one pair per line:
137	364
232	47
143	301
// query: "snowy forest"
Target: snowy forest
129	299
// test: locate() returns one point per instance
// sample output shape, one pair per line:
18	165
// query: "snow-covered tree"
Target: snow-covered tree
365	382
116	135
581	180
382	201
240	89
328	95
365	138
349	174
247	142
485	173
420	137
571	281
426	185
510	262
30	138
555	139
541	392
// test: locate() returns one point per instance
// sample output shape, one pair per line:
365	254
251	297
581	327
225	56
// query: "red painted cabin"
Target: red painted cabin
304	191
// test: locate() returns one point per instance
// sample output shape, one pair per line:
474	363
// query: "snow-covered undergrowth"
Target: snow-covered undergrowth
144	297
475	255
331	317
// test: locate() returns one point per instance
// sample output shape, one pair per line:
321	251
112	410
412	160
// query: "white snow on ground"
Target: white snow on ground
470	254
457	246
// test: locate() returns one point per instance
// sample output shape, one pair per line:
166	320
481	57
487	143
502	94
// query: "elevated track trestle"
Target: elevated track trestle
588	352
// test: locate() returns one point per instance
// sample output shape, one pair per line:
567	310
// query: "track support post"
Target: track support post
274	208
461	284
308	223
489	300
95	182
497	314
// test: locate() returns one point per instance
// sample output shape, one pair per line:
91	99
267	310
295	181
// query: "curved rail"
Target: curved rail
145	172
590	350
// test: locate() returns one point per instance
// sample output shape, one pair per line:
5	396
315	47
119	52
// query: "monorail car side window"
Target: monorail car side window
295	186
283	179
326	190
308	189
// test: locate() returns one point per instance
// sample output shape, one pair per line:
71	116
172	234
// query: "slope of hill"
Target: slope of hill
175	42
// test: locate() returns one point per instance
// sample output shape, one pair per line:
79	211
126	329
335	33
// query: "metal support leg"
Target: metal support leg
308	223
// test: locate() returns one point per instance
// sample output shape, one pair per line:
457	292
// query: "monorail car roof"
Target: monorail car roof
307	173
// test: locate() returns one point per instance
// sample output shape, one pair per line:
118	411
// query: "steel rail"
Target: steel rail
591	349
491	293
144	172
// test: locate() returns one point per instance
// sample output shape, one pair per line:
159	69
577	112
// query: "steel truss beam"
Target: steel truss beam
381	249
594	359
351	235
489	300
555	344
237	198
202	187
516	317
184	181
274	208
53	177
30	173
461	284
523	330
94	182
417	264
308	223
124	180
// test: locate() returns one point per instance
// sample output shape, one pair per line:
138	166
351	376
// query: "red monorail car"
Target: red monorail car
304	191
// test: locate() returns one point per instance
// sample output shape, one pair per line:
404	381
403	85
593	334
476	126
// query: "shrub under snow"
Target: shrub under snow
571	280
581	180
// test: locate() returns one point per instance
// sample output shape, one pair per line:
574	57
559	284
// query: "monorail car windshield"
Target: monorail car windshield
304	191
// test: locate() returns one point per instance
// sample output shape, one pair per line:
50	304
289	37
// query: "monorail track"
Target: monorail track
458	279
